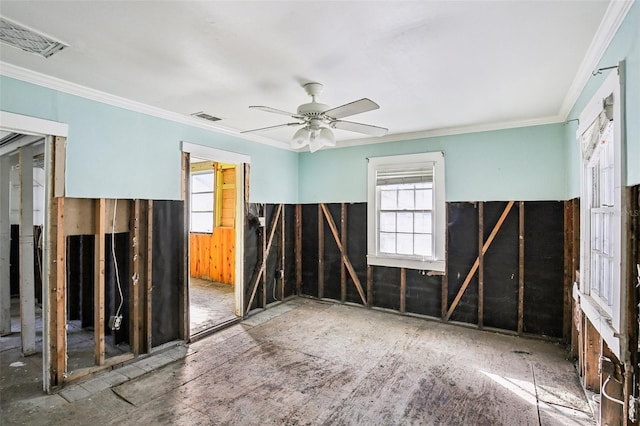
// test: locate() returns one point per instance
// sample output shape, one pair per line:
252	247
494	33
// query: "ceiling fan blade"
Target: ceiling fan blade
367	129
352	108
272	127
274	110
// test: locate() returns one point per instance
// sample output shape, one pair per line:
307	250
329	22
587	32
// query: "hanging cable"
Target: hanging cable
113	254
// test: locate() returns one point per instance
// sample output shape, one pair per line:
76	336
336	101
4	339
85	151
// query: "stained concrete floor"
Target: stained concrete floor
308	362
211	304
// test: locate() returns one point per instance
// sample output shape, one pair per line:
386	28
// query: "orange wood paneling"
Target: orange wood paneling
213	255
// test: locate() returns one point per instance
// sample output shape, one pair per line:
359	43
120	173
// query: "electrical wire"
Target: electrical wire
113	254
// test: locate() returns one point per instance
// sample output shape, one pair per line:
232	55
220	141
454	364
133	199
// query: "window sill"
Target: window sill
394	262
599	318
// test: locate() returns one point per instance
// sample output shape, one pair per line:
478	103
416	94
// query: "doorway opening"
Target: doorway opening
212	235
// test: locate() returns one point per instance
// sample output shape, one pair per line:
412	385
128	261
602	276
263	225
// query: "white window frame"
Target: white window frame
436	262
213	200
606	314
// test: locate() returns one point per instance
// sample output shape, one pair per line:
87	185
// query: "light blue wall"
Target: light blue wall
515	164
114	152
624	46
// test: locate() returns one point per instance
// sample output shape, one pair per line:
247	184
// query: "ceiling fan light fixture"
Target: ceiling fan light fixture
327	137
314	144
300	138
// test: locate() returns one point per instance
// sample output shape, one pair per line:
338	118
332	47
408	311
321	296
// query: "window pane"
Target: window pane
387	222
423	245
201	222
202	182
423	223
406	199
388	200
200	202
387	242
405	243
424	199
405	222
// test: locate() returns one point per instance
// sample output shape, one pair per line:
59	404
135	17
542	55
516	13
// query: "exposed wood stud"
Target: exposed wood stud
98	282
345	259
343	239
26	272
262	271
59	355
444	298
486	246
403	289
320	253
282	254
134	261
183	303
5	247
265	252
369	285
480	264
520	267
149	283
298	248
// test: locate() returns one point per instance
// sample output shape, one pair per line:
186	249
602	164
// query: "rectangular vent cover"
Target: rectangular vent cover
205	116
28	40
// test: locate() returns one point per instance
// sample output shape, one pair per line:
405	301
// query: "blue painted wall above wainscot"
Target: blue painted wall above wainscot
114	152
526	163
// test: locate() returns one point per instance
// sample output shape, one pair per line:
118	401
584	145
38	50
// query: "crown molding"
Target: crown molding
450	131
23	74
611	21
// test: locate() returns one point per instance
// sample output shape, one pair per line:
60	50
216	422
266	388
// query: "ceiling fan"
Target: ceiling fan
318	119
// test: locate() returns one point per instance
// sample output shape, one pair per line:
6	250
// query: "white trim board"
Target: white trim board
26	125
208	153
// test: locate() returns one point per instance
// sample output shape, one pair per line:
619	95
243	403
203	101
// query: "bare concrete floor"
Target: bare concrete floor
211	303
308	362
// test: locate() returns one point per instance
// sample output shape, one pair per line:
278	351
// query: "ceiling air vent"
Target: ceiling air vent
28	40
205	116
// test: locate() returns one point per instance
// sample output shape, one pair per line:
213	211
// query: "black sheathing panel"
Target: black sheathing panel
112	295
14	260
332	258
423	293
501	268
386	287
290	251
543	268
462	252
167	264
273	259
310	250
357	249
252	247
80	276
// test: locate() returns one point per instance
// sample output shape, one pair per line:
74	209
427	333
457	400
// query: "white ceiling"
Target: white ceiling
430	65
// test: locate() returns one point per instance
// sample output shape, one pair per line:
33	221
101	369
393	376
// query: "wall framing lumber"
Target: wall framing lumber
183	303
520	267
265	257
343	240
369	286
5	247
282	255
444	297
480	264
485	247
134	261
149	277
267	249
57	299
592	350
320	253
26	275
98	282
298	248
568	274
59	168
345	260
403	290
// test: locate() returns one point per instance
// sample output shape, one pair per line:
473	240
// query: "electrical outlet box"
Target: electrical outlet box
115	322
262	220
